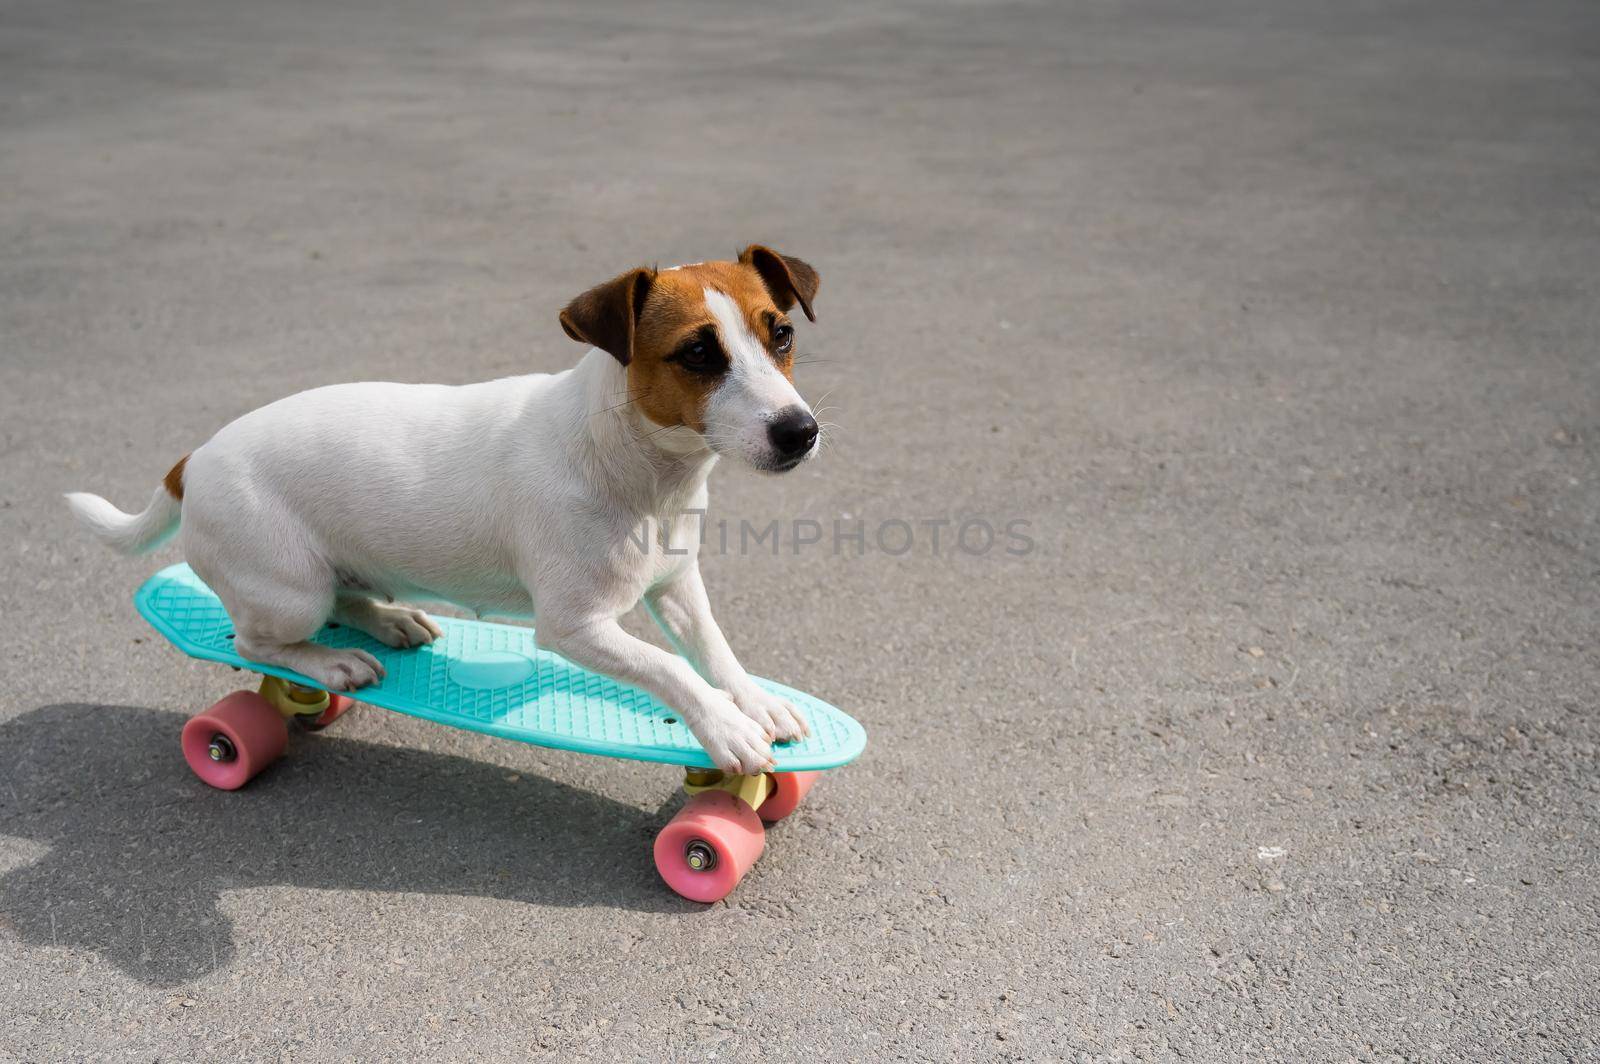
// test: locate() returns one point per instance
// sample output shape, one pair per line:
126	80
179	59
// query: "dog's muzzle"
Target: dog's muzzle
793	433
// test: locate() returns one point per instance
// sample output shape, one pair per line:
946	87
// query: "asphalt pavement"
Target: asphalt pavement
1263	335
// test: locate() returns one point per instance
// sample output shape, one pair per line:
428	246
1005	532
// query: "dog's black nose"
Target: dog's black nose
793	432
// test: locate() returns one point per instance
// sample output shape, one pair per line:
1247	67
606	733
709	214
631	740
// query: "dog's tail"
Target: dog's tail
134	533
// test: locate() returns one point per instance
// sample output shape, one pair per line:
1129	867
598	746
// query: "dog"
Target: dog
526	497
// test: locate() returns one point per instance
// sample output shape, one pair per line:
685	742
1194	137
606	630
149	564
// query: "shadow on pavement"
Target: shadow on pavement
140	850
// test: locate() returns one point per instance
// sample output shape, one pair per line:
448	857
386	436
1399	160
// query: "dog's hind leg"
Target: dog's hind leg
276	613
268	569
280	635
396	626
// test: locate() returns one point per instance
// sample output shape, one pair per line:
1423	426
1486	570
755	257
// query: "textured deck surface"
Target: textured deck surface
493	678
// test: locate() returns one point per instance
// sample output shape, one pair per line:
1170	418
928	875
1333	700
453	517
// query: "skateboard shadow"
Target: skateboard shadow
139	851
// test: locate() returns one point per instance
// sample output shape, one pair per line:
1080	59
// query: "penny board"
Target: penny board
495	679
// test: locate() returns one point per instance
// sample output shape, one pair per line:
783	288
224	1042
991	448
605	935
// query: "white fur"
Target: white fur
128	533
739	411
513	497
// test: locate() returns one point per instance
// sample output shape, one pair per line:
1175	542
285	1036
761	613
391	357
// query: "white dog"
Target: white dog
516	497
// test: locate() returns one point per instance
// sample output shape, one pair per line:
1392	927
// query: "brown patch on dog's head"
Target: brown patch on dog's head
657	324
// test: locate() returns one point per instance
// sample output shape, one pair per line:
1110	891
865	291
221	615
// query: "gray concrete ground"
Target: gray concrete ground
1277	321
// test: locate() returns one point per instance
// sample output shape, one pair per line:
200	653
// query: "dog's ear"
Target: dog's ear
788	280
606	314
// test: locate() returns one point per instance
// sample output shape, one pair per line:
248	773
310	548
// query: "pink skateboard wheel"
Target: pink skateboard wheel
787	790
233	740
707	848
337	704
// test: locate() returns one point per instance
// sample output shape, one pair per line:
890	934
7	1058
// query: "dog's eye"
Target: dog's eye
701	354
783	339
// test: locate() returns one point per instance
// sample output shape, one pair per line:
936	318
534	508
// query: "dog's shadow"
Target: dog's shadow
139	850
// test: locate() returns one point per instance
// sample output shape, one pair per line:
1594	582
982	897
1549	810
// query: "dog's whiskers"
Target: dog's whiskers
619	406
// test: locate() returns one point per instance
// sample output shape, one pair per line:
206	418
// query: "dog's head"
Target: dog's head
709	348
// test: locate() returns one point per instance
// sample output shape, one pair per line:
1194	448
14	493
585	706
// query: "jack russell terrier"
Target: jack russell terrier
520	497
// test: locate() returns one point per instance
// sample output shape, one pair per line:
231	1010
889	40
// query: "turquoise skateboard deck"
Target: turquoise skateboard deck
493	678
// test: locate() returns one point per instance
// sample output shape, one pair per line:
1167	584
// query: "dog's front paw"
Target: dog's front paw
778	717
735	743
